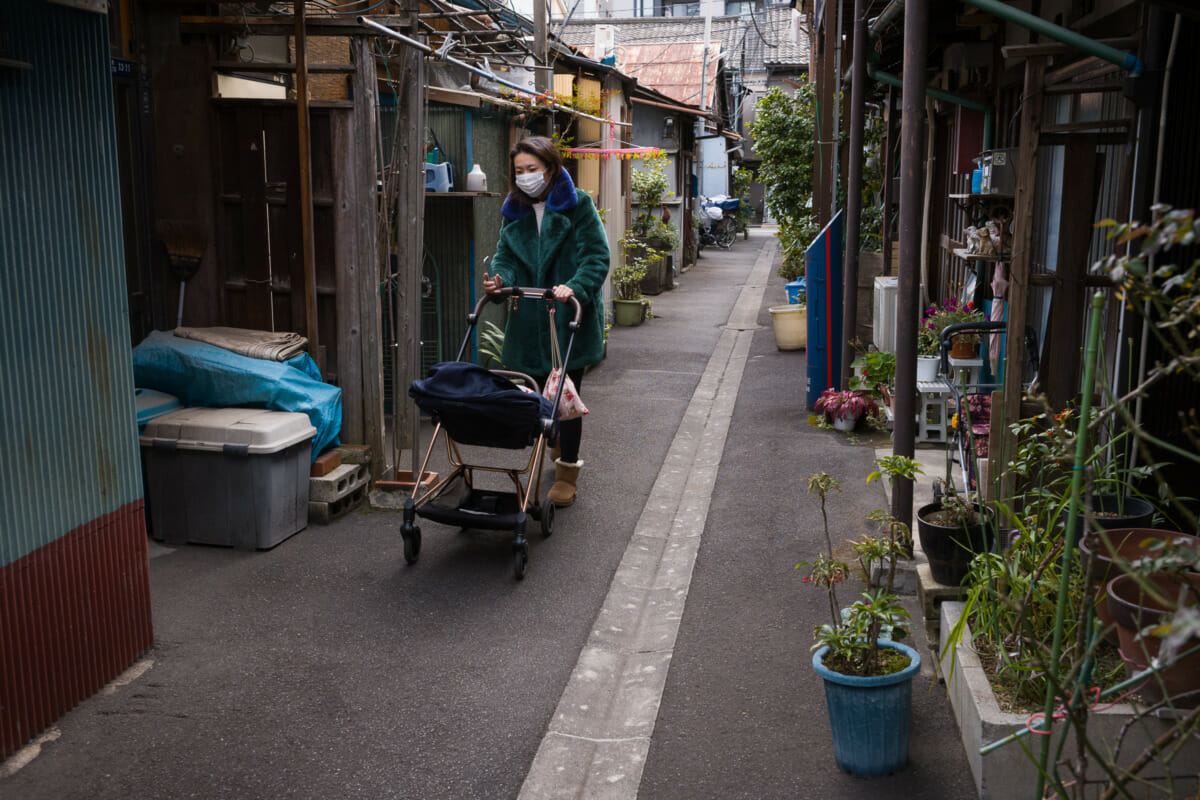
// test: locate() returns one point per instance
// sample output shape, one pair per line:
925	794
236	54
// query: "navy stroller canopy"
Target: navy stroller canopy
478	407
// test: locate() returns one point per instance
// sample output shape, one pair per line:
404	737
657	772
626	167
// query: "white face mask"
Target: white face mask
532	183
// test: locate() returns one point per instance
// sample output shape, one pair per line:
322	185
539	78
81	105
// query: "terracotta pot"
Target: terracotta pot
963	348
1125	544
1132	611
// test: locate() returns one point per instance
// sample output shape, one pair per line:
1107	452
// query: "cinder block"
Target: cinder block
932	593
325	464
354	453
337	484
326	513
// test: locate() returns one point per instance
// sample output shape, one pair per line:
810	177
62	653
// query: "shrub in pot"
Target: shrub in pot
952	531
844	407
866	670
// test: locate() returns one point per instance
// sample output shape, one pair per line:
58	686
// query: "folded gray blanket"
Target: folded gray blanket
266	345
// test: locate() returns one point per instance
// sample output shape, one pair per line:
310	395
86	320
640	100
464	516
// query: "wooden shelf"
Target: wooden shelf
962	253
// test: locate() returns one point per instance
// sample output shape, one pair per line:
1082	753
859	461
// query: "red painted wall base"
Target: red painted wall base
73	615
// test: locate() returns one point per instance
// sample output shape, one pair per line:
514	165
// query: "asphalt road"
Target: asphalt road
326	667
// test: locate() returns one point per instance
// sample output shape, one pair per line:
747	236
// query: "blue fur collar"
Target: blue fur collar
562	198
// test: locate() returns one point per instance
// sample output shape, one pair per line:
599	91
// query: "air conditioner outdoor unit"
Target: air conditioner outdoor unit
883	323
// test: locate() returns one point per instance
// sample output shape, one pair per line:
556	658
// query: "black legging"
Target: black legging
570	431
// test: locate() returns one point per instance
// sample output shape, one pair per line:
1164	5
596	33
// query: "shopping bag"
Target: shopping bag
571	405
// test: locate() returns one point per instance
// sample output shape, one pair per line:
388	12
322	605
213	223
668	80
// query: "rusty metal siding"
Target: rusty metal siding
74	591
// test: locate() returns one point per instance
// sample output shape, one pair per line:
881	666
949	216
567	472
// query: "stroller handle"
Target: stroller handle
521	291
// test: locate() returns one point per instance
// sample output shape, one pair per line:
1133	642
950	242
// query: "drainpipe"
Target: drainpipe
854	180
1126	61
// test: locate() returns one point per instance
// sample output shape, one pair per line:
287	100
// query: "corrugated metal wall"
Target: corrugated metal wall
74	596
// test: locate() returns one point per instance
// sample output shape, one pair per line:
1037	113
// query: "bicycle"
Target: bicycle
970	423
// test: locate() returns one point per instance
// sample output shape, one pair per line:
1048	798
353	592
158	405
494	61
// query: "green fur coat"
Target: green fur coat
571	249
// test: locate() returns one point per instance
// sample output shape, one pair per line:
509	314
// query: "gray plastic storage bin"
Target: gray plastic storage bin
228	476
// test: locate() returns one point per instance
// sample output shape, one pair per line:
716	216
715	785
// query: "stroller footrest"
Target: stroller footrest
477	509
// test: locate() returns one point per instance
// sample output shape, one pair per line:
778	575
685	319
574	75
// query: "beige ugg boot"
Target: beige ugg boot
555	453
562	493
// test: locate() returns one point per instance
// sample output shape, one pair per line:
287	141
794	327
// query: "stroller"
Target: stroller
474	406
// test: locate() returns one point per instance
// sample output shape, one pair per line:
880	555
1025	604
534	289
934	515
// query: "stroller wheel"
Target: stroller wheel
412	543
520	560
547	518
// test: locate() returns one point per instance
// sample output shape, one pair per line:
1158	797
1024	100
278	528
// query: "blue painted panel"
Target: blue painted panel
67	412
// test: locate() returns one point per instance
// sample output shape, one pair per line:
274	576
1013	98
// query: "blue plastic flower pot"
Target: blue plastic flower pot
869	717
795	291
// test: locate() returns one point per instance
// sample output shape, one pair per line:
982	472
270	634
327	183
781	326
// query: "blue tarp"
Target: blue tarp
200	374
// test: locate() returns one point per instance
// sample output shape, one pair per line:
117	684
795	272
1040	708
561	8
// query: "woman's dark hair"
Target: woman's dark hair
543	150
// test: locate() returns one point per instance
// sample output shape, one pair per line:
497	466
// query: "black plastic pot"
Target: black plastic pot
950	549
1113	512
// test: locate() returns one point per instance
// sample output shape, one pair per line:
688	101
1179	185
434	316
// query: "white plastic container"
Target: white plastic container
476	179
236	477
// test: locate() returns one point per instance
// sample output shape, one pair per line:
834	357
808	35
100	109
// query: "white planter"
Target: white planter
927	369
846	424
791	326
1007	773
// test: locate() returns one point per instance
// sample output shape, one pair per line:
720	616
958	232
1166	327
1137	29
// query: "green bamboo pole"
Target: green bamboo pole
1064	579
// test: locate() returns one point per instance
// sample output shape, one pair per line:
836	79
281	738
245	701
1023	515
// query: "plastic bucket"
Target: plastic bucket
791	326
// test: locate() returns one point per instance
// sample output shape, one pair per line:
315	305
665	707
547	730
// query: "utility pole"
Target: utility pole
542	76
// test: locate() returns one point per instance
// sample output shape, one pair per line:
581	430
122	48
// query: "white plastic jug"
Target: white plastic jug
476	180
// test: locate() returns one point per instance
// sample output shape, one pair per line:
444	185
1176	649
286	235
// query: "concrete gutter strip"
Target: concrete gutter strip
599	736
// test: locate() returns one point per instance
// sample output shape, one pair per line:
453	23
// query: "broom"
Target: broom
185	244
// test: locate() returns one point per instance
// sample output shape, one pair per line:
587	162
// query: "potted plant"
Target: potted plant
952	531
648	232
866	669
875	370
951	312
1154	608
927	352
844	407
629	306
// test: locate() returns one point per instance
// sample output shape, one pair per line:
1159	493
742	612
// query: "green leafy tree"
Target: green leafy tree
784	131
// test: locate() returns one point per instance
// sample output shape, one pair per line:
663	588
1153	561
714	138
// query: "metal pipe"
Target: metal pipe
854	179
1068	551
427	50
912	122
989	113
1126	61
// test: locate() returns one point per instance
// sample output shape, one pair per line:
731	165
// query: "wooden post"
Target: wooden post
912	165
371	255
410	252
304	150
1018	287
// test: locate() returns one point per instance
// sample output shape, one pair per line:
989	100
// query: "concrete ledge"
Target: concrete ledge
1008	773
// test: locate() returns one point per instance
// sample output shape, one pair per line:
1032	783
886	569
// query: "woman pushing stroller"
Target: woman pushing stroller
551	236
